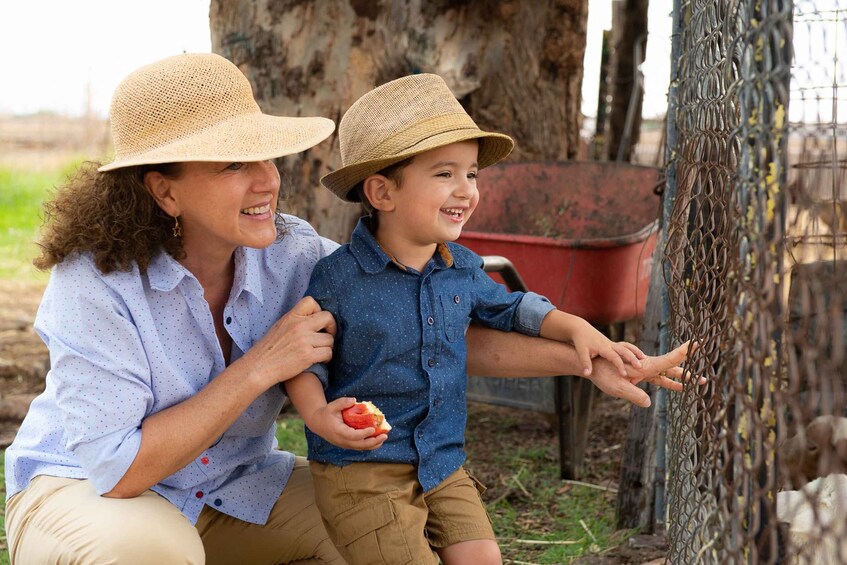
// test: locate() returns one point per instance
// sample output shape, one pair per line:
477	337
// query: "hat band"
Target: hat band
419	132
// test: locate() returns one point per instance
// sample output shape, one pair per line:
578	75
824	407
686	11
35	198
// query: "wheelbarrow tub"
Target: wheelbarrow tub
580	233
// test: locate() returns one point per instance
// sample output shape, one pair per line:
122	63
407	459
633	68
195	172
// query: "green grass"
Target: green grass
21	195
540	519
289	434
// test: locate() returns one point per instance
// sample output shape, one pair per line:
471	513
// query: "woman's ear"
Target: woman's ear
160	189
377	189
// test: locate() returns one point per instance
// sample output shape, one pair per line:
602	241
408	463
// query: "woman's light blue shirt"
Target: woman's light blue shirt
124	346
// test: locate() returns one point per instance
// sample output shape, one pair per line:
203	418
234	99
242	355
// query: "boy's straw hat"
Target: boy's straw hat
401	119
200	107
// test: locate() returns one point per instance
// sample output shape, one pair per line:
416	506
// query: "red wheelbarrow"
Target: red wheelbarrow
582	234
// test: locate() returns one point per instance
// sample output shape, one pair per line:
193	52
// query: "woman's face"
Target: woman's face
222	206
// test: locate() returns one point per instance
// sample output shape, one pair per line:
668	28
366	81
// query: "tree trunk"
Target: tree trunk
516	67
629	34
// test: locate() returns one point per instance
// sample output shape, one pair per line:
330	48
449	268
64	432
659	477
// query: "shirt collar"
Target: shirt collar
373	259
165	273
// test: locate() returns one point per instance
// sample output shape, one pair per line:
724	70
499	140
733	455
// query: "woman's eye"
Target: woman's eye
234	166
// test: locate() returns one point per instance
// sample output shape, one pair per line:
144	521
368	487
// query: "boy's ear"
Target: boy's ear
160	189
377	189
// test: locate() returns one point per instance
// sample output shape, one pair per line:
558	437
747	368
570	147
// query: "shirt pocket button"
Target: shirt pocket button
453	318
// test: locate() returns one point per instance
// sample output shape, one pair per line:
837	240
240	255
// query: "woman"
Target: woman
174	311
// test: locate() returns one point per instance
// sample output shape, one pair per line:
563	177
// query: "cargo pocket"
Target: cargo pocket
480	488
370	532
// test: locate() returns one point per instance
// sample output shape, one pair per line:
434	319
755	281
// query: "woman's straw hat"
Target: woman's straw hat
200	107
401	119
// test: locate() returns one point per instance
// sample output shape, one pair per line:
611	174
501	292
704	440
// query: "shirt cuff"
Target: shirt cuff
320	371
531	312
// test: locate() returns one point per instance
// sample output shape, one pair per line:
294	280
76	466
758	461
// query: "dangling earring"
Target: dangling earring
177	229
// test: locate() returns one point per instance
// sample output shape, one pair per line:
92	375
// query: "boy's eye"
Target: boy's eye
472	175
444	174
234	166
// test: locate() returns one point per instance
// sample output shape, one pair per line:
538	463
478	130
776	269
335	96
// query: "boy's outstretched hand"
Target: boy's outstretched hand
664	371
589	342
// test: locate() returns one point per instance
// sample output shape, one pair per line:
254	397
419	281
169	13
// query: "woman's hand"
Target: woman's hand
301	338
660	371
327	422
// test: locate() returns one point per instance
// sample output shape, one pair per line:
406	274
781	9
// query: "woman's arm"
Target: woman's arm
174	437
501	354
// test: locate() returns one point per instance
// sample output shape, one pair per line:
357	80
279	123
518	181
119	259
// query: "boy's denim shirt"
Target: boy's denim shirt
401	345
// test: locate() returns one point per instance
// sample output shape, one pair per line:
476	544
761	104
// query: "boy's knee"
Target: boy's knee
478	552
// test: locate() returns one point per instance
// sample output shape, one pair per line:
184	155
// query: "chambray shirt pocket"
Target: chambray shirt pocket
455	312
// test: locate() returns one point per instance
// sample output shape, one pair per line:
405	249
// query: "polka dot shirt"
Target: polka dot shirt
124	346
401	345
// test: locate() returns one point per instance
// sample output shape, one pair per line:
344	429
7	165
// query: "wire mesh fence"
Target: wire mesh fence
756	273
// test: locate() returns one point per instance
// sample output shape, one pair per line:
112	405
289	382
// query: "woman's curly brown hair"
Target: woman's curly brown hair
110	215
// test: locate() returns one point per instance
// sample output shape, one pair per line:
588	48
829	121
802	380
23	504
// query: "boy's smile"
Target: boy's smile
436	196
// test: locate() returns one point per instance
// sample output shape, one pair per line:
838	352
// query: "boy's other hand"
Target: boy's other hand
328	423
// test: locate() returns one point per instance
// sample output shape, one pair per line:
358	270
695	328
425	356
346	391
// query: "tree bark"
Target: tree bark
516	67
629	29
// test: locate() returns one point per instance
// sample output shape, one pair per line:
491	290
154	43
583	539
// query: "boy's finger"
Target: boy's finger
585	361
628	355
635	349
611	355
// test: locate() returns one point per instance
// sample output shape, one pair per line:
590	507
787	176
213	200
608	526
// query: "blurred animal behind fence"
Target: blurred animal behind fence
818	450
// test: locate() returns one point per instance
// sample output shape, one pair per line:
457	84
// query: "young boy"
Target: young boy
403	295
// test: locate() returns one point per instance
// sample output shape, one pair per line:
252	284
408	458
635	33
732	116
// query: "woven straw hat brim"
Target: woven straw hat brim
250	137
493	147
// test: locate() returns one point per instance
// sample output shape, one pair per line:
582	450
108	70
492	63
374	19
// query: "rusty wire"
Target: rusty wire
755	269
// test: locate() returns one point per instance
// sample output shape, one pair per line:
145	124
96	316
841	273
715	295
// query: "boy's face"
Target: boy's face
438	194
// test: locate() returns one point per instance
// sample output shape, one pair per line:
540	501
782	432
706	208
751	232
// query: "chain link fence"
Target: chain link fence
756	273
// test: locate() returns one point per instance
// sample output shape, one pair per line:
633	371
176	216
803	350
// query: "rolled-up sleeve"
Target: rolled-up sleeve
531	312
100	374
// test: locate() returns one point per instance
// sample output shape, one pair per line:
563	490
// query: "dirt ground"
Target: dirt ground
24	362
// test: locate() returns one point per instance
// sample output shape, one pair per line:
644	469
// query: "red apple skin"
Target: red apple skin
360	416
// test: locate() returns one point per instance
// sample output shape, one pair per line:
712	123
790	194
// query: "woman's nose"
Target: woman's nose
266	174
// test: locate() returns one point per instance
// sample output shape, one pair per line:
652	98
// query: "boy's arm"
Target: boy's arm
307	395
588	341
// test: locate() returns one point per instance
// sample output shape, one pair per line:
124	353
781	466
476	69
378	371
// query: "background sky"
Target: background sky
68	55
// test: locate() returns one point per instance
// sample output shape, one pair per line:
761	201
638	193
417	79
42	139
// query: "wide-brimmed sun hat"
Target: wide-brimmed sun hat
401	119
200	107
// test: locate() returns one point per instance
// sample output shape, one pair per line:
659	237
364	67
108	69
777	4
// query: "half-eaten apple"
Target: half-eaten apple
365	415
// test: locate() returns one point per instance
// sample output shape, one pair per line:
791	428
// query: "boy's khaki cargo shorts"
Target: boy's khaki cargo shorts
378	512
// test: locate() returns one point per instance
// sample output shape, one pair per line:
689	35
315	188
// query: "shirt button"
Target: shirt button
430	320
199	494
204	460
456	299
218	502
436	402
431	363
229	318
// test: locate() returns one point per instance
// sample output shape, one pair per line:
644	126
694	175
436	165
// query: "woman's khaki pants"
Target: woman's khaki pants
64	521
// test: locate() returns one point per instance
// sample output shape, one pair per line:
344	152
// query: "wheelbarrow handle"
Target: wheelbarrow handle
501	265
